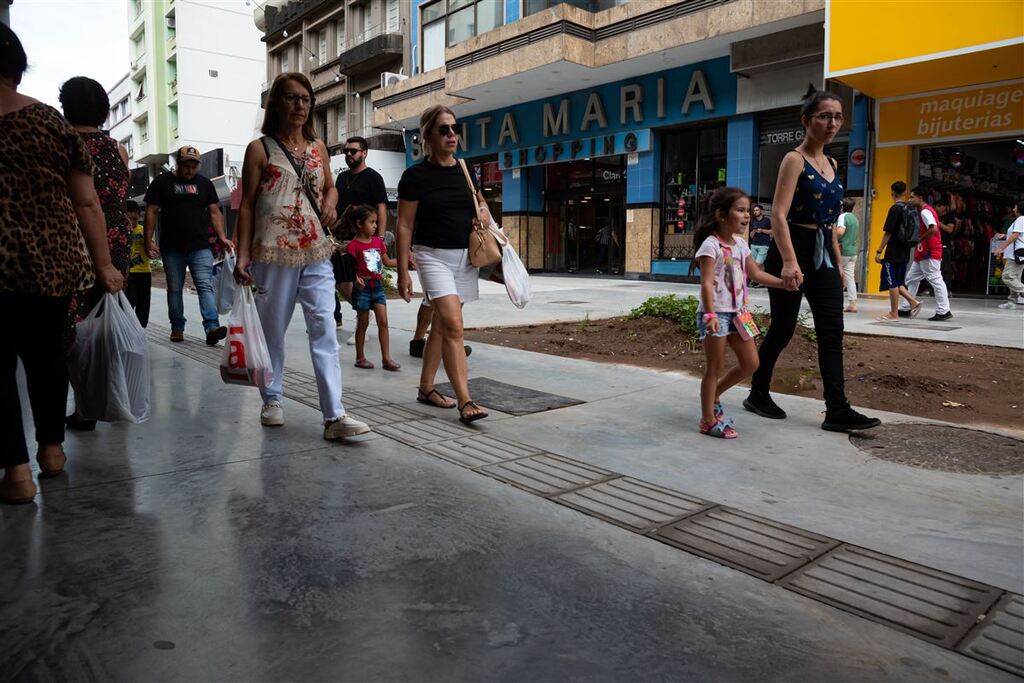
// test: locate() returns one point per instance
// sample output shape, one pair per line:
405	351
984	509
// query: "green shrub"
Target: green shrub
680	310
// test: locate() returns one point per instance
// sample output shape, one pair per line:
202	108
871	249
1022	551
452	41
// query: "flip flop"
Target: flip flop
425	398
391	366
887	319
915	309
472	418
364	364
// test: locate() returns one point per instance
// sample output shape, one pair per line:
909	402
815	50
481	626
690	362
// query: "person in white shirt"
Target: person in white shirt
1011	268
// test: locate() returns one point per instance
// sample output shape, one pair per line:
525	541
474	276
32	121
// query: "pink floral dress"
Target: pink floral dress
287	230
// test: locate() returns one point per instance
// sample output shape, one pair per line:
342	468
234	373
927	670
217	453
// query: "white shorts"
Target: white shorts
446	272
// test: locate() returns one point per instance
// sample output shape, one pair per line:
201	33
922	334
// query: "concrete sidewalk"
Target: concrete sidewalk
199	545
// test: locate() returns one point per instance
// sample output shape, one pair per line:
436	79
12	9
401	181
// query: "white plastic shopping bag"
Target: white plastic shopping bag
517	280
226	284
246	359
109	363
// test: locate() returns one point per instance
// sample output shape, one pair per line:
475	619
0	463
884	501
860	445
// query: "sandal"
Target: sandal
364	364
721	429
915	309
51	466
888	319
391	366
479	415
426	398
719	411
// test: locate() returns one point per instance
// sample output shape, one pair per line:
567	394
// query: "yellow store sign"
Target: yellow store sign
994	109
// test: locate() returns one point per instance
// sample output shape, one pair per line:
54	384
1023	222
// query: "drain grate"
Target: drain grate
633	504
928	603
419	432
478	451
547	474
999	640
755	545
509	398
385	414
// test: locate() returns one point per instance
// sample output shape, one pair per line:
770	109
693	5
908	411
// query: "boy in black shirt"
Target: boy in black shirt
897	254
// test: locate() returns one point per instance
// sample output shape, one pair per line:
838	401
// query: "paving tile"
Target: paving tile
477	451
547	474
419	432
633	504
752	544
999	639
357	399
385	414
919	600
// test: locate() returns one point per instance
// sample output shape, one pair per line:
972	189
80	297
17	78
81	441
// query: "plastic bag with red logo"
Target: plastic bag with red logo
246	359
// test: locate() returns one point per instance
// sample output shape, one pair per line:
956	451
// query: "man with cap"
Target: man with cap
187	204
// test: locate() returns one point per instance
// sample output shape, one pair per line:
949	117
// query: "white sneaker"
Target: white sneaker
1008	305
351	341
344	426
1020	300
272	414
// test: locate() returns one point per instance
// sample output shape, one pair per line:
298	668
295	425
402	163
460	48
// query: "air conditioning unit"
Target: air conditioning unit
387	78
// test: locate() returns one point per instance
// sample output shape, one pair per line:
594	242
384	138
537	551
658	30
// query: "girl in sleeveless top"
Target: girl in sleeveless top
285	251
805	254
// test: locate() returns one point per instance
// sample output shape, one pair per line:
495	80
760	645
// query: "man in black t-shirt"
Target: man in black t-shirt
360	184
897	254
187	205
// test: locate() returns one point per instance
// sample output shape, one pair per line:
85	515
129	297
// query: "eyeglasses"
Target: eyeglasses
446	129
825	117
292	98
351	150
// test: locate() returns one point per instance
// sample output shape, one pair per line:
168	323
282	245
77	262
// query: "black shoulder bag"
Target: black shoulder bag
344	264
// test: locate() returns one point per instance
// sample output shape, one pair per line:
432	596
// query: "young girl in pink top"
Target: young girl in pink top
368	294
722	317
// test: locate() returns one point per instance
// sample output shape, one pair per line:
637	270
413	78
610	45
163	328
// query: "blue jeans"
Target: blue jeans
200	264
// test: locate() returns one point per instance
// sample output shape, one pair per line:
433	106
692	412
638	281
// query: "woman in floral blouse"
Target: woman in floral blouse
283	248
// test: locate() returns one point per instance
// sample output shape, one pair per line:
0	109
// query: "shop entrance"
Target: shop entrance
979	182
585	224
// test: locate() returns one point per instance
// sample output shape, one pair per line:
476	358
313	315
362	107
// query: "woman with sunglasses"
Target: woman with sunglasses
805	254
435	218
287	197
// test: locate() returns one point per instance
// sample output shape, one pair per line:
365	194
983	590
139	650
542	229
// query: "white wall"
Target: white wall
389	164
222	111
124	128
779	88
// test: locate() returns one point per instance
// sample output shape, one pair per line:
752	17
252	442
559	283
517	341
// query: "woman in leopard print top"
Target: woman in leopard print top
53	243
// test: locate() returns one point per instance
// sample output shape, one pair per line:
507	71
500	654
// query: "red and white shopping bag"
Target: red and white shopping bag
246	359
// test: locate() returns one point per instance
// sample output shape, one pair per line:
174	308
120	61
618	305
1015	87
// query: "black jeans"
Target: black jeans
32	328
138	293
824	291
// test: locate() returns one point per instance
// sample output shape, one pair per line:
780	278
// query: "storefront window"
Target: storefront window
694	165
585	226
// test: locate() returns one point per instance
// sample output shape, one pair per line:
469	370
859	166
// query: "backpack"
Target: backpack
909	233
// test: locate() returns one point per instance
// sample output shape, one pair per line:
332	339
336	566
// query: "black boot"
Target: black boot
416	347
763	405
77	423
847	420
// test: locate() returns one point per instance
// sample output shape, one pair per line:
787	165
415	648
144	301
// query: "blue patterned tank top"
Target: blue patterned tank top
817	202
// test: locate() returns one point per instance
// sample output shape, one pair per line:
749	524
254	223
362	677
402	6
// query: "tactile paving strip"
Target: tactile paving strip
633	504
478	451
925	602
999	639
385	414
547	474
419	432
752	544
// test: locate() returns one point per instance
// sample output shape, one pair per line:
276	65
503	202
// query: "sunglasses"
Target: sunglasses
351	150
446	129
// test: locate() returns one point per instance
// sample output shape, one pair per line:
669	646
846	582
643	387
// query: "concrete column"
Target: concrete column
890	164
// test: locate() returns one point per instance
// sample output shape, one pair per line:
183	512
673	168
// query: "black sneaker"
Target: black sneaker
79	424
904	314
416	347
763	405
941	317
215	334
468	349
848	420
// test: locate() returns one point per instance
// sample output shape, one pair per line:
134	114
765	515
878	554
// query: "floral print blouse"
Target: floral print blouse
287	229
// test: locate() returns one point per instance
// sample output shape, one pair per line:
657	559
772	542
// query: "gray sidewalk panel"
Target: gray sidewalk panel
633	504
419	432
477	451
999	640
547	474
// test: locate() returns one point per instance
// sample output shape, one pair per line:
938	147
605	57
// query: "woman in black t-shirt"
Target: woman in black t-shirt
435	218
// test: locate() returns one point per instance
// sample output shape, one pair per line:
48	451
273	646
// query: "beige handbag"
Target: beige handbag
484	244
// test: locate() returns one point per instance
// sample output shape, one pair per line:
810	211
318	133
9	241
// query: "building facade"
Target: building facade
195	75
347	49
948	114
598	127
119	121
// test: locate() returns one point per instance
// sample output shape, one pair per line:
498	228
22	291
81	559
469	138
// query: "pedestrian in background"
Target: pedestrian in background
86	106
847	227
371	255
140	270
187	205
284	249
760	234
805	254
1013	254
51	229
927	263
435	218
893	254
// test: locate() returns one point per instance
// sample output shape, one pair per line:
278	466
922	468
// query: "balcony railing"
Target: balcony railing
374	31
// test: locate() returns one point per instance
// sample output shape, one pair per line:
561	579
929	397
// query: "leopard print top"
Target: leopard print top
42	250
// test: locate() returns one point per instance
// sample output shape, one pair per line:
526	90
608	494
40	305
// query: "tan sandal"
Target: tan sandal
51	466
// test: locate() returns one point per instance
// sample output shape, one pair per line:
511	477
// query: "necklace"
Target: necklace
294	148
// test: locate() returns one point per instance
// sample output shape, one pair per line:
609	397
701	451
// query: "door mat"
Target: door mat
509	398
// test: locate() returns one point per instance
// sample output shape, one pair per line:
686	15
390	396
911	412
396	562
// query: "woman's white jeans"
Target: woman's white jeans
849	280
277	289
